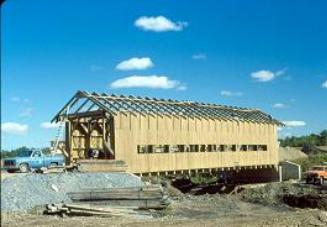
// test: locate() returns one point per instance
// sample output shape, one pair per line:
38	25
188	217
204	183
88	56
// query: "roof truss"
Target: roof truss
113	104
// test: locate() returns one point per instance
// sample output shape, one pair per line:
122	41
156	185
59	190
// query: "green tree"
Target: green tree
309	140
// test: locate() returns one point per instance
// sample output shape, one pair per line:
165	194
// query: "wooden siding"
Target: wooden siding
133	130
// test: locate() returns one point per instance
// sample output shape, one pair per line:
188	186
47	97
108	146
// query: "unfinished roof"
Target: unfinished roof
84	102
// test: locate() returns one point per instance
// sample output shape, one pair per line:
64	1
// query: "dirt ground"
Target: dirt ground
258	206
187	210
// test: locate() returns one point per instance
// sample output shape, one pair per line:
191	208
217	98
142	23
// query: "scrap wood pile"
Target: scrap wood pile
87	210
113	201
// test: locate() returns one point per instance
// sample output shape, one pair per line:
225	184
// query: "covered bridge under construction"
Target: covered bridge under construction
159	135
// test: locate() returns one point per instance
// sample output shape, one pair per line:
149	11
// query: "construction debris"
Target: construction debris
110	201
84	210
148	197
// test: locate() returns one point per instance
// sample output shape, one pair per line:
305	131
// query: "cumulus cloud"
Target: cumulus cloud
324	84
230	93
279	105
263	75
135	64
18	99
159	24
152	81
15	99
14	128
266	75
199	56
49	125
294	123
182	87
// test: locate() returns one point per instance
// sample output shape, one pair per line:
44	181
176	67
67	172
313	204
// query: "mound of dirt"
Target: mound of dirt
290	153
306	201
272	194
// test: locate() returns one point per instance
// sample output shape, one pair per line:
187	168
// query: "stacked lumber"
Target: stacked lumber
85	210
101	165
111	201
149	197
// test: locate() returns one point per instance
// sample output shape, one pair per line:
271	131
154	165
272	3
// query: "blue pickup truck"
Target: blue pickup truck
32	159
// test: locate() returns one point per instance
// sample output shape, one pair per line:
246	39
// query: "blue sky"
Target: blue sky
270	55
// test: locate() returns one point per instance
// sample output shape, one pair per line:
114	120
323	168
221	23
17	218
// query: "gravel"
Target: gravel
21	193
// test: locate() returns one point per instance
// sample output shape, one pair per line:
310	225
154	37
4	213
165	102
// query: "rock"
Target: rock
323	216
54	187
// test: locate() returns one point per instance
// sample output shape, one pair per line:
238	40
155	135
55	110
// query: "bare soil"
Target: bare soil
252	206
187	210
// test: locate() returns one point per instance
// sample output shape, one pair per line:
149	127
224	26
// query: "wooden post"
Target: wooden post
104	137
280	171
68	138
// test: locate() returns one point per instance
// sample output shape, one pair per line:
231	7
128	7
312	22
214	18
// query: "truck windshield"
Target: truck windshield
24	154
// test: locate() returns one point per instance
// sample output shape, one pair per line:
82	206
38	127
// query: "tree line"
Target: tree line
308	140
17	151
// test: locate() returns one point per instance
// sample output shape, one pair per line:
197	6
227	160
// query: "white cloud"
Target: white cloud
152	81
159	24
324	84
281	72
49	125
294	123
199	56
14	128
230	93
266	75
263	75
182	87
18	99
135	64
95	68
15	99
26	112
279	105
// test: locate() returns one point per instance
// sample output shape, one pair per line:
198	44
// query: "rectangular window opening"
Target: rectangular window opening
243	148
181	148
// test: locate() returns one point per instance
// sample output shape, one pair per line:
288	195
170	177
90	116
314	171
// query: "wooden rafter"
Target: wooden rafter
113	104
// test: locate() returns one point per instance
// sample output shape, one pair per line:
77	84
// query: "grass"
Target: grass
201	178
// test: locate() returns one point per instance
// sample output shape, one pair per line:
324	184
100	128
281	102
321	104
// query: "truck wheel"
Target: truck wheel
53	165
24	168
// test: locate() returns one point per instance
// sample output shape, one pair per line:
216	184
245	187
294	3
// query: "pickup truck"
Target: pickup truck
32	159
317	174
